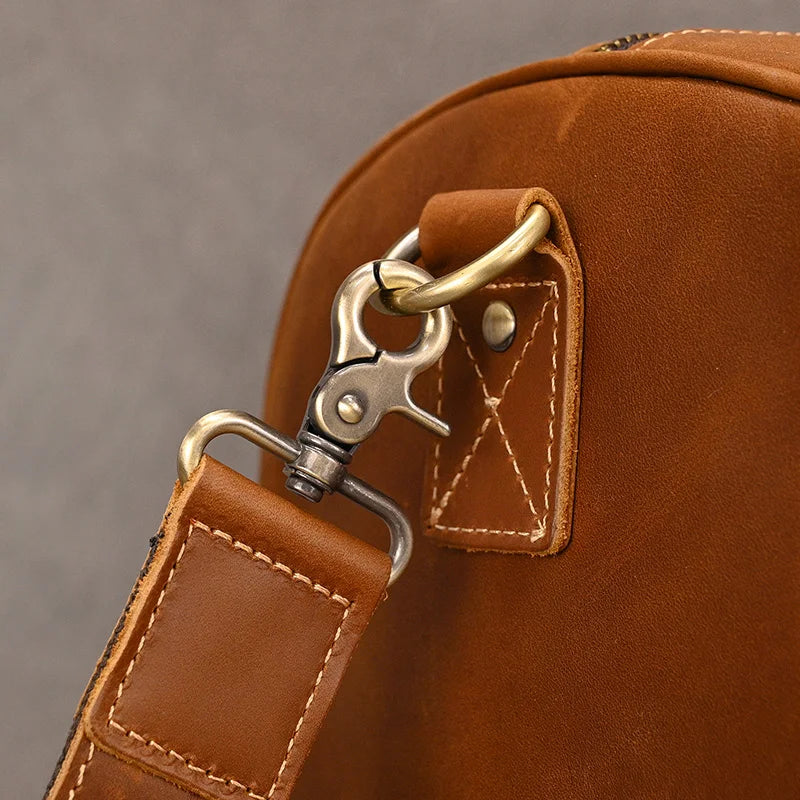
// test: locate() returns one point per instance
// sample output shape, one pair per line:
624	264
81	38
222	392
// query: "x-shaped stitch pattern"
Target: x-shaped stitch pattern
493	417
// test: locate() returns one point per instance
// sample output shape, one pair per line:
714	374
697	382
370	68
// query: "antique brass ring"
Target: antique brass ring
449	288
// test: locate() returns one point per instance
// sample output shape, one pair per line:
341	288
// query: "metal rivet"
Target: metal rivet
499	325
350	408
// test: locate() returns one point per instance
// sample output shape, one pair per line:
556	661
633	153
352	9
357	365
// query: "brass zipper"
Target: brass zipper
626	42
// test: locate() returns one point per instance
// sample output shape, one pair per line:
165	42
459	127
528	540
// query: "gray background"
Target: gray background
160	164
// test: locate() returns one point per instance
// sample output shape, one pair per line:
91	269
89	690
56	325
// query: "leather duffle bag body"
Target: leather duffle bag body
580	402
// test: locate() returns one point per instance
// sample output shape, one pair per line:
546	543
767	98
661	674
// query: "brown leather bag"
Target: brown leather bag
645	414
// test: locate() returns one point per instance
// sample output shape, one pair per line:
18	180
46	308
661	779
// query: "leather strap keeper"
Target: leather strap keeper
504	480
230	652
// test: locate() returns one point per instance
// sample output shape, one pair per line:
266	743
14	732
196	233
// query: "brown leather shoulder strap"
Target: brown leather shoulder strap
231	651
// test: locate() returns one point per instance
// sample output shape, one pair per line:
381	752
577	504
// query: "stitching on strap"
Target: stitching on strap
276	566
310	700
81	772
721	31
131	734
493	404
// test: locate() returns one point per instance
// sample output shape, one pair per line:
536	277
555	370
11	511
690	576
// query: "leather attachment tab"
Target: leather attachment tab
504	479
233	649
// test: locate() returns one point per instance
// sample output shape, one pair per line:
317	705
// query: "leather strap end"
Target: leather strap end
505	479
231	652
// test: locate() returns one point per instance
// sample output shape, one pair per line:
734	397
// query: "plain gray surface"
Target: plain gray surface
160	164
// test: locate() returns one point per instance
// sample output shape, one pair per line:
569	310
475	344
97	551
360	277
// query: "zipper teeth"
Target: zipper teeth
626	42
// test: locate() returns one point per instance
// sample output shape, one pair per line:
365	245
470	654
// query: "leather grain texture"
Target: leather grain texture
658	655
231	652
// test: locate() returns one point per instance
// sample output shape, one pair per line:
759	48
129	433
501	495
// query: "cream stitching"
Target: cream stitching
519	284
493	404
551	424
309	702
231	781
514	463
186	762
153	613
721	31
533	537
437	512
276	566
438	449
81	773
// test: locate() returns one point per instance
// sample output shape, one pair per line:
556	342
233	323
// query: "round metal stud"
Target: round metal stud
350	408
499	325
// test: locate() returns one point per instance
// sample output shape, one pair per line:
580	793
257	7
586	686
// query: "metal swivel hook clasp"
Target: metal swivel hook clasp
363	383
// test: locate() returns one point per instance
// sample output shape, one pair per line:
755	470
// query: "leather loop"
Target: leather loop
504	479
230	654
